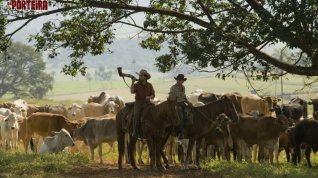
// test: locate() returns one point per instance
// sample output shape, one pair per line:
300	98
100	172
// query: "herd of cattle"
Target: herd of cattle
262	126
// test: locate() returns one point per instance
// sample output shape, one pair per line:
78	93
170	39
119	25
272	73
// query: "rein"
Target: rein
204	116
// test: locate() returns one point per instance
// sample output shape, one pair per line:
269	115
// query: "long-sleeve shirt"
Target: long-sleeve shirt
142	91
177	93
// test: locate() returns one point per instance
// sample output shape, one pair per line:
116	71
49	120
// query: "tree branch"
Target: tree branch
206	11
157	31
293	69
110	5
282	33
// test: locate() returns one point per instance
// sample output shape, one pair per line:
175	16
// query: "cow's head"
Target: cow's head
12	121
64	138
112	107
314	103
75	109
221	123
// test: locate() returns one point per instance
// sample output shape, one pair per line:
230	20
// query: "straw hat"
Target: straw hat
144	73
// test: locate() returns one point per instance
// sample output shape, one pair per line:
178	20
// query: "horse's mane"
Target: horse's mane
161	106
212	103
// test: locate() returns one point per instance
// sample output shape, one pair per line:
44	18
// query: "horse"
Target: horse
203	118
157	126
157	122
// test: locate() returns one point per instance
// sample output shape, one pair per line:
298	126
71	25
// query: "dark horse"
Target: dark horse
204	117
157	123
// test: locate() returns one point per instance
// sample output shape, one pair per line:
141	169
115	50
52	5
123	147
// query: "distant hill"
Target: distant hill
126	53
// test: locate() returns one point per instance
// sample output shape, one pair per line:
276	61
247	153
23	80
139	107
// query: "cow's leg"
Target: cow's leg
100	152
296	154
307	153
271	154
287	150
131	150
91	147
276	151
189	151
254	154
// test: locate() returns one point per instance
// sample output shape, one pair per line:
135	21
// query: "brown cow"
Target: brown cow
32	108
262	105
314	102
53	109
263	131
98	99
44	123
305	133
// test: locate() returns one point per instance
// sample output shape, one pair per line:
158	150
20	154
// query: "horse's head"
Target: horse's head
229	108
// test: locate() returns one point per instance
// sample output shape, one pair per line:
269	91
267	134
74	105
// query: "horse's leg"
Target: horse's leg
139	149
163	155
189	151
198	153
100	152
121	148
125	146
158	146
151	153
131	150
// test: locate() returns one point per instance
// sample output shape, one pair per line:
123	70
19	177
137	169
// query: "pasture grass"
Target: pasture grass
18	164
283	169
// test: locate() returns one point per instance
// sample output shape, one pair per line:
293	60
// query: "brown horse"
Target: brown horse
157	123
204	117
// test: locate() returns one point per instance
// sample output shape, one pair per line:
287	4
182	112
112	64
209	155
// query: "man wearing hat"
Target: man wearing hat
143	91
177	93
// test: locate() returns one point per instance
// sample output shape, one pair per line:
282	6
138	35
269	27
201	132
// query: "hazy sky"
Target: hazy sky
36	25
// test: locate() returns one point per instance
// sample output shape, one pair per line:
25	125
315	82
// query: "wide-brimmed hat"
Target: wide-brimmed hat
180	77
144	73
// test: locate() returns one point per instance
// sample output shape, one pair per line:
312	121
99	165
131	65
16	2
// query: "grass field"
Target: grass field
67	89
19	164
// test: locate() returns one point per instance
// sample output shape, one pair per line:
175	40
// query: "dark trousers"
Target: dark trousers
182	116
137	116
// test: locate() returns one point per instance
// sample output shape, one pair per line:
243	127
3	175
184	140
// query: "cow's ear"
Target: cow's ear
55	133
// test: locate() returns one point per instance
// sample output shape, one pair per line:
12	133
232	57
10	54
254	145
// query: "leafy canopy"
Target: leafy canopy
228	35
22	73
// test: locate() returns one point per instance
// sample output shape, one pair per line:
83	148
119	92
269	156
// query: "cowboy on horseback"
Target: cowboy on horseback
177	93
143	91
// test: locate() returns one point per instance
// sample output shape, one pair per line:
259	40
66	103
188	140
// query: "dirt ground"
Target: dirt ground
96	170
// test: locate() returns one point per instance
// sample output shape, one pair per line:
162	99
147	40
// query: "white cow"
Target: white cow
9	131
193	97
97	131
75	112
5	111
57	143
20	107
